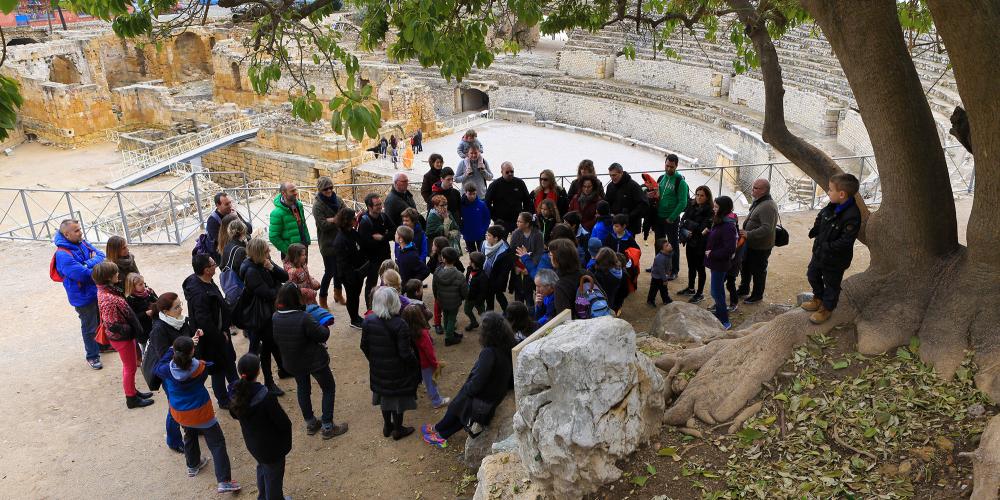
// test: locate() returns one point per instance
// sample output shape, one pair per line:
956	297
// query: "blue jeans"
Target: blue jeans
324	377
270	479
174	439
718	288
90	317
432	390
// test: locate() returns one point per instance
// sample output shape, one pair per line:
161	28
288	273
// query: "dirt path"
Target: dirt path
69	435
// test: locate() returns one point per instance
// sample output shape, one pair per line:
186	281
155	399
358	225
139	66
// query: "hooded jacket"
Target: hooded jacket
419	241
672	201
411	266
475	219
449	288
619	244
835	230
721	246
75	264
162	336
265	426
300	339
190	404
628	197
284	229
208	310
436	226
326	231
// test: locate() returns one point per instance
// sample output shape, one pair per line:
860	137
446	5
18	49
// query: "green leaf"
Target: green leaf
640	480
650	469
870	432
903	353
840	365
668	451
749	435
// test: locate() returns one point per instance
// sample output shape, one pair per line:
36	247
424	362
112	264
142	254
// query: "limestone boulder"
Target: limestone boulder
585	398
685	323
760	315
502	477
476	448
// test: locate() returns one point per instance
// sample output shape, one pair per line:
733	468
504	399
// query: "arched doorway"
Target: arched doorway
474	100
237	76
191	60
64	70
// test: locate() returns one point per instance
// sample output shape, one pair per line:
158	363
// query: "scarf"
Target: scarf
330	201
843	206
492	252
175	323
585	199
116	289
144	294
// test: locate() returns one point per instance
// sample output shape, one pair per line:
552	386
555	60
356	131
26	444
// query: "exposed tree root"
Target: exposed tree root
986	463
732	371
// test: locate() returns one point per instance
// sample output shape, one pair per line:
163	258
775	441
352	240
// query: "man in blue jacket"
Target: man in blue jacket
75	259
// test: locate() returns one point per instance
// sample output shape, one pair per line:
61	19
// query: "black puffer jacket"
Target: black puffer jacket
490	380
697	218
300	340
263	284
835	233
627	197
351	257
208	311
162	337
393	367
265	425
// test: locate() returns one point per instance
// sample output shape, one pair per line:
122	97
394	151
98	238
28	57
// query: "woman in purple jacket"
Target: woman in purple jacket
719	250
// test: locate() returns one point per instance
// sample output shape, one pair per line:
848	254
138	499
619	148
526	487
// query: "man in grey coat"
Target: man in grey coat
758	228
473	168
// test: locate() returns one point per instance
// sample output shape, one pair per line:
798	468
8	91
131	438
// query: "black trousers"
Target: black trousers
371	281
825	283
658	286
353	286
669	230
755	271
270	480
329	275
262	344
695	255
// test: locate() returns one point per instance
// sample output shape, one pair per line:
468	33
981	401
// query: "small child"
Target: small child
266	428
414	290
183	378
450	290
610	276
834	232
391	279
620	237
469	140
475	279
433	264
414	316
602	228
297	266
141	299
593	247
386	265
520	320
659	272
408	257
545	299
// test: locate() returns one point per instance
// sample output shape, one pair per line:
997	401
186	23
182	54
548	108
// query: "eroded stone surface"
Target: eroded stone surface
685	323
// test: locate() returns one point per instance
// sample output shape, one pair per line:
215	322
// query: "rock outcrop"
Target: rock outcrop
685	323
502	477
476	448
585	398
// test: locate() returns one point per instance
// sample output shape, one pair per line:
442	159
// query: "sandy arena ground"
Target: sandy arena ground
67	433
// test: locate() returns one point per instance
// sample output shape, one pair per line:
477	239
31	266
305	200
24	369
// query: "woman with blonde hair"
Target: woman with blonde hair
261	279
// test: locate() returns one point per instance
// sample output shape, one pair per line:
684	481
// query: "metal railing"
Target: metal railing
173	214
385	161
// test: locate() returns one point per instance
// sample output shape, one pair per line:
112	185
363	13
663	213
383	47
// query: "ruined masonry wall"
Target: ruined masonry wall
805	108
668	75
582	64
853	135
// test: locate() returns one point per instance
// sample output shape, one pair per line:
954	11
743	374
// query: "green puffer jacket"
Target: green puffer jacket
450	288
283	230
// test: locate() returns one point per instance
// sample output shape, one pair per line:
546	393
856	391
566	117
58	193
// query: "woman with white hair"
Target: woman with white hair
393	367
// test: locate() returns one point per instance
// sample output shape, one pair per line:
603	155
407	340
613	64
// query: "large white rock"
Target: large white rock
502	477
585	398
685	323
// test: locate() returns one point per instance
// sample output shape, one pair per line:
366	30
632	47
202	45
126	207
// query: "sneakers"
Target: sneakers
432	437
334	430
752	300
193	471
733	307
696	298
95	364
356	324
444	402
228	487
687	291
727	326
313	426
452	341
812	305
821	316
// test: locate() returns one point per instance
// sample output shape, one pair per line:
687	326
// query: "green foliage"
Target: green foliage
10	100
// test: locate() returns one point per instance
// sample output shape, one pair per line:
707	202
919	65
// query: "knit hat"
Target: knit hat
603	208
594	246
323	183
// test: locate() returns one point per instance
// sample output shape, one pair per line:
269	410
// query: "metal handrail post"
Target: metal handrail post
173	214
812	204
121	213
197	200
722	172
861	174
972	180
770	169
27	213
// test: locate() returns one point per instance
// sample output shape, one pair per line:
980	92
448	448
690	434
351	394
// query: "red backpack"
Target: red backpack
53	272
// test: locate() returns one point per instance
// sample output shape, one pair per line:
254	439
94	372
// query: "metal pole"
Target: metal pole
722	172
812	204
972	179
27	213
861	175
197	200
173	213
121	212
770	168
72	215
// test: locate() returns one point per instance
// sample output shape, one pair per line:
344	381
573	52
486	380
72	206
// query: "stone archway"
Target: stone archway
63	70
474	100
191	58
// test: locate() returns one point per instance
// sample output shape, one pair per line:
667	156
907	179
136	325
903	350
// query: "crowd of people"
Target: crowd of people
536	253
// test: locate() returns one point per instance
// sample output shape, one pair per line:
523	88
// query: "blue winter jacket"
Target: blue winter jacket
190	404
475	219
544	263
75	267
601	229
546	310
419	240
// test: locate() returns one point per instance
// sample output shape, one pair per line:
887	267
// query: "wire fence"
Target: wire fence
173	214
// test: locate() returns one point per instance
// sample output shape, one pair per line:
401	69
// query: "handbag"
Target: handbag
149	362
780	234
101	337
478	411
250	313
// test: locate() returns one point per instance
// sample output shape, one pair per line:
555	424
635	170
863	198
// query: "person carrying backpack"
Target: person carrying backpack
566	262
72	265
233	255
210	313
673	199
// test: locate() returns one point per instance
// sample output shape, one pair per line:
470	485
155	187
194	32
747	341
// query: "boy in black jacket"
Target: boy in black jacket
834	233
475	277
411	266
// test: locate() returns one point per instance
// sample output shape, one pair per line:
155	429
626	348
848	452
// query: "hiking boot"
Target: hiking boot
274	389
687	291
820	316
812	305
193	471
334	430
312	427
229	487
95	364
696	298
137	402
401	433
452	341
444	402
